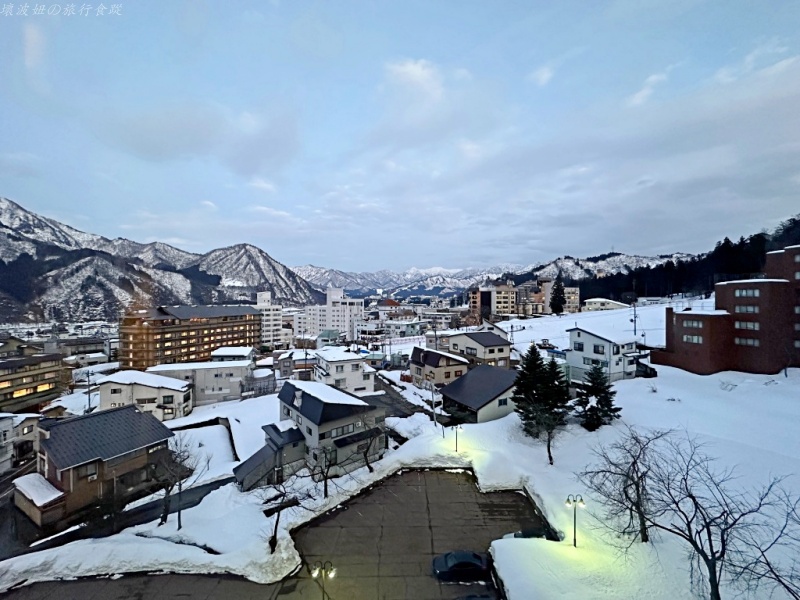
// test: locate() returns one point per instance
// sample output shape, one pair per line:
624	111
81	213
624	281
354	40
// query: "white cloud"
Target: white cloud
542	75
750	62
209	204
271	212
262	184
420	76
643	95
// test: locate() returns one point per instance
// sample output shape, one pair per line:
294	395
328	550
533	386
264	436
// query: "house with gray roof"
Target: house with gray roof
435	367
483	394
84	459
324	429
482	348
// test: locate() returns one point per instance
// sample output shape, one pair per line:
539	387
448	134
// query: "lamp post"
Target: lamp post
457	428
323	570
573	501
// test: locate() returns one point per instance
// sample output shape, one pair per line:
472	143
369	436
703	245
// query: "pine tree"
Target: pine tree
555	404
603	411
557	297
527	390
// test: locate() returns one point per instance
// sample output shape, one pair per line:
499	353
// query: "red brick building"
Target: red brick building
754	328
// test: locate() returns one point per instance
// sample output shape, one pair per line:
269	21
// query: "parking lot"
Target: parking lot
381	543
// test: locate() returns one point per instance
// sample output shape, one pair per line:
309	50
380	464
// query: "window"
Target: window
340	383
693	339
169	411
747	293
308	430
116	390
692	323
19	393
299	420
87	470
418	370
502	402
458	373
472	351
447	374
751	325
599	349
286	411
343	430
745	341
167	399
577	346
616	350
491	350
455	346
746	308
365	377
27	430
340	368
354	367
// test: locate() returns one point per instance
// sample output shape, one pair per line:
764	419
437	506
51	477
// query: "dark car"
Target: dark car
462	565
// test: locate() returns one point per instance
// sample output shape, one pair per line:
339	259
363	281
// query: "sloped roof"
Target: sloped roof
147	379
101	435
432	358
321	403
232	351
480	386
487	339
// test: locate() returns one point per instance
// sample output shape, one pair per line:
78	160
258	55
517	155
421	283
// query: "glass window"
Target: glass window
577	346
599	349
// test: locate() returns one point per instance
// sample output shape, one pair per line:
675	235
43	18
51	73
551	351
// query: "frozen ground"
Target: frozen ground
746	420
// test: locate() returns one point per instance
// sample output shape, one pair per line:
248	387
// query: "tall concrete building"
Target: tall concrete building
273	333
339	312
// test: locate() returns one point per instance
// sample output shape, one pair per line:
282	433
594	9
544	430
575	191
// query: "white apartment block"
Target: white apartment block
165	397
339	313
615	352
342	369
272	332
213	381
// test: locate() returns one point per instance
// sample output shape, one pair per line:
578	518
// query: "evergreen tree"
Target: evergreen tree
557	297
527	390
597	387
554	406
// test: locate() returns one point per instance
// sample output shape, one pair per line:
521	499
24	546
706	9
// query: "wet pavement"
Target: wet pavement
381	543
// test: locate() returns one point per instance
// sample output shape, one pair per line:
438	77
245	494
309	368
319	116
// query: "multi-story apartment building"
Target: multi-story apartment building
339	312
755	326
572	297
338	367
215	381
614	352
28	382
493	299
273	334
170	334
165	398
482	348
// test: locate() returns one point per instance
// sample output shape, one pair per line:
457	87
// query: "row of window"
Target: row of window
692	324
747	293
746	308
751	325
745	341
592	362
693	339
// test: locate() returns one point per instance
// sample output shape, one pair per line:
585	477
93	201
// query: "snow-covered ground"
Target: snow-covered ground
412	393
718	409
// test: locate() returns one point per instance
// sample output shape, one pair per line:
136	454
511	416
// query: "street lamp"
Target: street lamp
457	428
323	570
573	501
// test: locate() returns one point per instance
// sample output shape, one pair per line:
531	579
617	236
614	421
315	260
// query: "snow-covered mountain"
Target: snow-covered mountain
439	280
53	271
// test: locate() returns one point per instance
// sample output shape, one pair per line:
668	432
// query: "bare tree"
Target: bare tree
182	465
620	479
660	482
278	497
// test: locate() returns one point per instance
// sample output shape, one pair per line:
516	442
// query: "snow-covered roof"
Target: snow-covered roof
285	425
148	379
77	403
326	393
79	374
337	353
604	300
37	489
17	418
96	355
232	351
609	332
188	366
454	357
368	369
740	281
259	373
265	362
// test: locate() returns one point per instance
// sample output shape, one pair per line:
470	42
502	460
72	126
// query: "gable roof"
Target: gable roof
101	435
487	339
432	358
321	403
480	386
147	379
609	334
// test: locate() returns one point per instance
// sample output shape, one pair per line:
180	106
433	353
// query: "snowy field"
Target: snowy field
747	421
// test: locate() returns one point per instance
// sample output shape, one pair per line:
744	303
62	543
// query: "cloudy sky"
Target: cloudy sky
389	134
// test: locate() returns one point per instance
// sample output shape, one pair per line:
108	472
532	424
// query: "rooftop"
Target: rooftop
232	351
337	353
147	379
188	366
480	386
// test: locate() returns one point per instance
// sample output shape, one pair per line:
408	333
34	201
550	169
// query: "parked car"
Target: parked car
462	565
